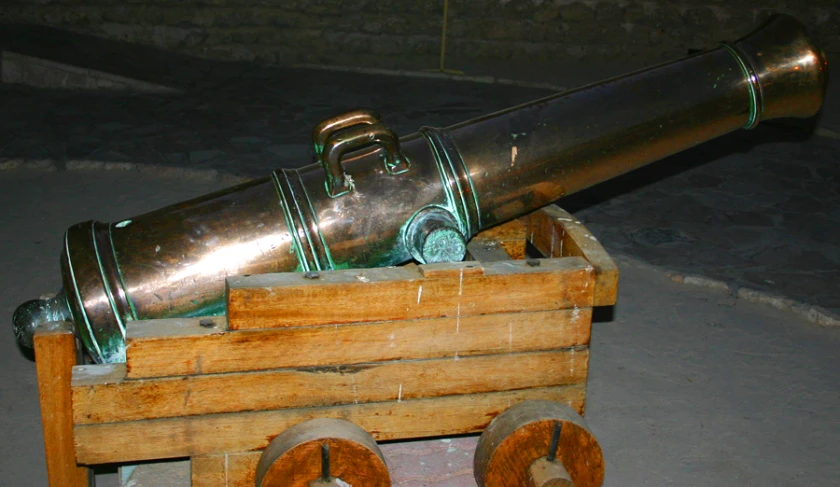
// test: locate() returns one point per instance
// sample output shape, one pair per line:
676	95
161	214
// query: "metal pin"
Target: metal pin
311	275
532	262
555	439
325	462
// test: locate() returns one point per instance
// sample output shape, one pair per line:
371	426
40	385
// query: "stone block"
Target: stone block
388	45
120	14
371	27
583	33
394	24
577	12
424	46
177	16
609	12
248	35
492	29
290	18
546	14
348	42
501	28
70	16
10	71
218	36
149	15
539	32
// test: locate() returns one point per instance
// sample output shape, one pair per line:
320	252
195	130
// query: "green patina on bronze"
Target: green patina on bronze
752	82
443	245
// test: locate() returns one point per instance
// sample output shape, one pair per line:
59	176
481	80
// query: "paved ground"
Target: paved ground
687	387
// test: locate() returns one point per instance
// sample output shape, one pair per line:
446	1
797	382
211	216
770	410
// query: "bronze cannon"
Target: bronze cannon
373	199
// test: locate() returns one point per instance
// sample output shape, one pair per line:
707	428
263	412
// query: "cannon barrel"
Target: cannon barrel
372	199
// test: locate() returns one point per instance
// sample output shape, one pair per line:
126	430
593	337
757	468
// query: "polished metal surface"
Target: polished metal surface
373	200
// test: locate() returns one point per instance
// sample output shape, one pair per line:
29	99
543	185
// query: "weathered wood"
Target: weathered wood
240	432
556	233
522	434
402	293
55	356
452	270
546	473
295	457
511	236
101	394
486	251
159	348
224	470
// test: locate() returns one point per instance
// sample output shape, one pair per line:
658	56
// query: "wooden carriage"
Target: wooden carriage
400	352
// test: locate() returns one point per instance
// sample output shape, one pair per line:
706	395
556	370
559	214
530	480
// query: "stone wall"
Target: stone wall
371	32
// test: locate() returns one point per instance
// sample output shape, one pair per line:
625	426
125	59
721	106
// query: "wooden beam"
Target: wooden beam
102	394
511	236
181	346
225	470
486	251
55	356
403	293
392	420
556	233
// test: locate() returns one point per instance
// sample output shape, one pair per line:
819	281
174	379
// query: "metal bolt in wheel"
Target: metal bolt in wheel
323	453
538	444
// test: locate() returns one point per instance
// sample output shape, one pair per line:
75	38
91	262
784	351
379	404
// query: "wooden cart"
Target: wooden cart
402	352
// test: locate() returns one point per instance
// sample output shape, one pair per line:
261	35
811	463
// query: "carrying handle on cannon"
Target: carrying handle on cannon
352	131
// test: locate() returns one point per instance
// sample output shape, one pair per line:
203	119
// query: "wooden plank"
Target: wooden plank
556	233
511	236
392	420
55	356
100	395
209	471
486	251
225	470
403	293
152	345
452	270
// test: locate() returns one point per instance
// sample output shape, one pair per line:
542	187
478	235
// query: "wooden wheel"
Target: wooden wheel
322	453
538	444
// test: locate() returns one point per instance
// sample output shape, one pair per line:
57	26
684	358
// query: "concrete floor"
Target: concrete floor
687	386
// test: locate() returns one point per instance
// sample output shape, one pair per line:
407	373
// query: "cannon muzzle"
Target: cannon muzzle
373	199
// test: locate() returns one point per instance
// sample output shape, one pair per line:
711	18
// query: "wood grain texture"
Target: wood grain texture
241	432
152	345
294	458
511	236
486	251
556	233
224	470
522	434
100	397
55	356
546	473
353	296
